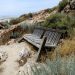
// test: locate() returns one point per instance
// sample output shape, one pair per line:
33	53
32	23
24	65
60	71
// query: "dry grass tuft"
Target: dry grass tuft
67	47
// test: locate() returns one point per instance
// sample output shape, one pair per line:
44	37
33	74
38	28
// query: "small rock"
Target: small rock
3	56
72	4
23	55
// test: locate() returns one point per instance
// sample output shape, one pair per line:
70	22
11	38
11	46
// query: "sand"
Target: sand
10	66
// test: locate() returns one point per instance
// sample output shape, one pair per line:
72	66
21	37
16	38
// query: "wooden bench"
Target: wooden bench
53	38
50	39
37	34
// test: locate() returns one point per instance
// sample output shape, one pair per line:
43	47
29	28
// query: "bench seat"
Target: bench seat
52	39
31	41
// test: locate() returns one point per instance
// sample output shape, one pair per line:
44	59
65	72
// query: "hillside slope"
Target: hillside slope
35	17
65	6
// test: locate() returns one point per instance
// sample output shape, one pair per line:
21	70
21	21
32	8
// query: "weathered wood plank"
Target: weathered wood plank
31	42
41	48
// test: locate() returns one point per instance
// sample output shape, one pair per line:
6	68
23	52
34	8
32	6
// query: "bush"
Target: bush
30	15
61	66
52	9
61	21
54	20
15	35
14	21
6	25
27	27
62	4
58	66
23	17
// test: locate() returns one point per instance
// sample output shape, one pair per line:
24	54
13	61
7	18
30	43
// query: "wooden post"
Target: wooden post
42	46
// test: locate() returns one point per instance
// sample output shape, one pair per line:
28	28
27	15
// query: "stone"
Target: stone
3	56
72	4
23	55
67	9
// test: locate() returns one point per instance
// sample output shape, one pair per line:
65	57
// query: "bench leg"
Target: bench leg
41	48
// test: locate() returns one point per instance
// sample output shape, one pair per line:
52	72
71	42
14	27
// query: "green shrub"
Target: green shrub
62	4
30	15
27	27
23	17
6	25
61	66
50	10
15	35
58	66
14	21
54	20
60	21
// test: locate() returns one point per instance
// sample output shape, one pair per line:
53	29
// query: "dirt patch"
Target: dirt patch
10	66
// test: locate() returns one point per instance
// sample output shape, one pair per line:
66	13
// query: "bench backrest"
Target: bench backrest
53	37
38	32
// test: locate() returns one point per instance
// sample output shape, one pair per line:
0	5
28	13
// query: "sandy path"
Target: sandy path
10	66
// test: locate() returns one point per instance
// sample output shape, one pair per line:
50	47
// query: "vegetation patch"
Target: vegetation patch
62	4
60	20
